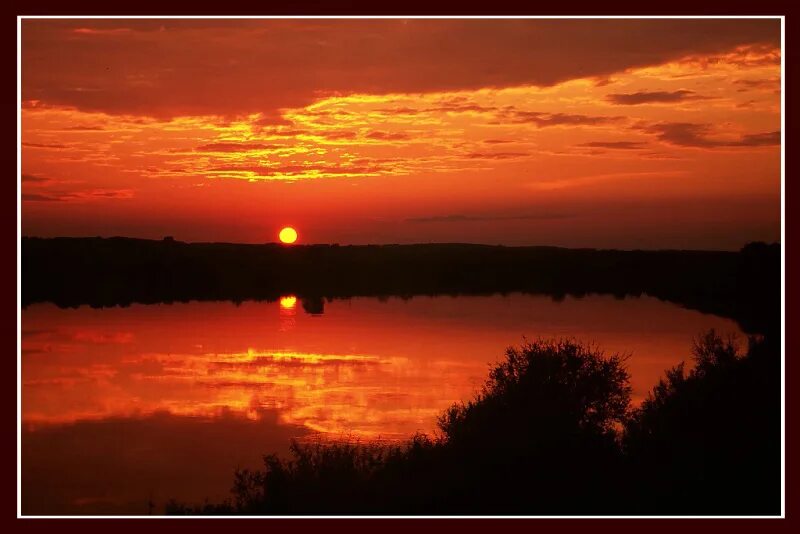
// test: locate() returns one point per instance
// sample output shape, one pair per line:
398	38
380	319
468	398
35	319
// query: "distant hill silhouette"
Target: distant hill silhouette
100	272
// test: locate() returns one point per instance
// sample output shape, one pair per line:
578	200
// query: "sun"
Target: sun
288	235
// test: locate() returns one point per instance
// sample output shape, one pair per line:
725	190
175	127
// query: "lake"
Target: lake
125	408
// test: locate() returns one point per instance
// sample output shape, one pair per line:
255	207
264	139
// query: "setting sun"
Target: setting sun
288	235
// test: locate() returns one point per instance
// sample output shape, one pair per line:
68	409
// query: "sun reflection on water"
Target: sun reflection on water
288	310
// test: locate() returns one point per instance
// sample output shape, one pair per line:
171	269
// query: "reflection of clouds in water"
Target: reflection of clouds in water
364	366
368	395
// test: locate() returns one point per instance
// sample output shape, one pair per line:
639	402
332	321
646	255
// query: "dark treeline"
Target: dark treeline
552	432
100	272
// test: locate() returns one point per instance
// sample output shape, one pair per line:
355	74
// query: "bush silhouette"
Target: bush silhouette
552	383
708	441
547	416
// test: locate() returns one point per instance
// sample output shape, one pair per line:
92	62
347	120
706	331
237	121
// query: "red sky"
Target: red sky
598	133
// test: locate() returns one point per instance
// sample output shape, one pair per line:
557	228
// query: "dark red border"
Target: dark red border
496	7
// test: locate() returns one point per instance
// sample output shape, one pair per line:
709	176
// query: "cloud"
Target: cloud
105	193
698	136
456	218
543	120
36	197
758	83
293	171
651	97
340	135
55	146
399	111
759	139
84	128
93	194
233	147
616	145
457	107
496	155
388	136
34	179
169	68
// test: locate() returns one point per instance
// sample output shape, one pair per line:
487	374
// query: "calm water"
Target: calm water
128	405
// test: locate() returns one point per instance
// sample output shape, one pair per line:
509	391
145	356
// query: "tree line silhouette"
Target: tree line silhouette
99	272
553	432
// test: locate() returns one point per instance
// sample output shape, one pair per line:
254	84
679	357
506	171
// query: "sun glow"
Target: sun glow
288	235
288	302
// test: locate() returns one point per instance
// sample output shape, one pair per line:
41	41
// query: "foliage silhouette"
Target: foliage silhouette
708	441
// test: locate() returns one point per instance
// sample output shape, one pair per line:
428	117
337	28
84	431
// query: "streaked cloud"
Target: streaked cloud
77	196
615	145
704	136
653	97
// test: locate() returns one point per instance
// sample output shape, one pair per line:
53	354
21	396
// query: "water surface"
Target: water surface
124	408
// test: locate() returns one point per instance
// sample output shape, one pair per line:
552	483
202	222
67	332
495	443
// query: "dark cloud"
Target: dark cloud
36	197
399	111
77	195
335	136
764	83
698	136
167	68
106	193
616	145
543	120
759	139
650	97
84	128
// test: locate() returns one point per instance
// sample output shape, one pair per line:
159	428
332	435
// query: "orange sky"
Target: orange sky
628	134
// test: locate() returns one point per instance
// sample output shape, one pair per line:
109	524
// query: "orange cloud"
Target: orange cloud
357	138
